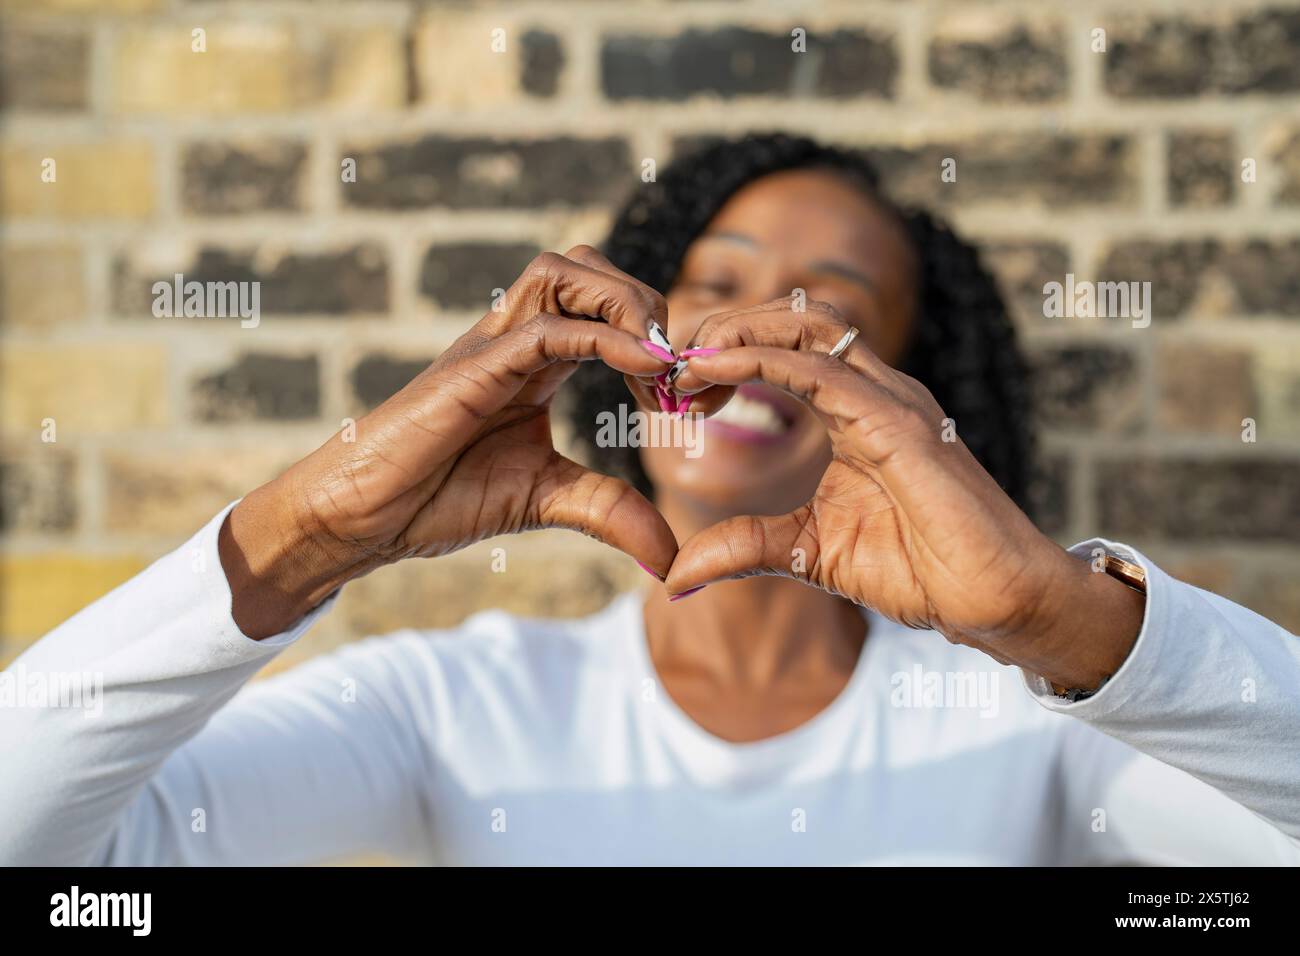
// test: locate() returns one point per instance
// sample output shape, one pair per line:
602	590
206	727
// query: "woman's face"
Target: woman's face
765	452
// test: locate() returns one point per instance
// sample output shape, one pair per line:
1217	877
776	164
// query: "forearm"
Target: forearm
1208	687
161	654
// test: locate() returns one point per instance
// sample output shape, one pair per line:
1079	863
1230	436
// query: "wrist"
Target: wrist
1087	628
277	567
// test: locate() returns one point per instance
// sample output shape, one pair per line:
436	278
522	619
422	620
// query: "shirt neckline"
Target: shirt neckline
753	754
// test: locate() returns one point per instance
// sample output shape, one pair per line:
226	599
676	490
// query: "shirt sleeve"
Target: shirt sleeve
1209	689
123	745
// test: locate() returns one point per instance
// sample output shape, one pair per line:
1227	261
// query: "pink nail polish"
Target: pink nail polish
666	402
684	404
689	352
649	570
686	594
657	351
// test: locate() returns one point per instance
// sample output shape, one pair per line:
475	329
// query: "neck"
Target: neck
756	631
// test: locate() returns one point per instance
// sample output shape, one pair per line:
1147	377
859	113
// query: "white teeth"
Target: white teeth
747	413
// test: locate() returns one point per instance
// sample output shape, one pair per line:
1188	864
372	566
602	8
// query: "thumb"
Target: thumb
603	507
746	546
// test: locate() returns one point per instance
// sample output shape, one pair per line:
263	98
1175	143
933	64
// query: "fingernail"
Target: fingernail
684	404
671	375
666	402
649	570
661	354
689	352
686	594
658	338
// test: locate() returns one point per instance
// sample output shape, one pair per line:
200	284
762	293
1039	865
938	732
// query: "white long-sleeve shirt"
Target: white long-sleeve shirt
517	741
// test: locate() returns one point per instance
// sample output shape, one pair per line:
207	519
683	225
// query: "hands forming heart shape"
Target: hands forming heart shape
902	521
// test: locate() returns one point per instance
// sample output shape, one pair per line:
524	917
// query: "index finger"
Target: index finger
558	284
876	420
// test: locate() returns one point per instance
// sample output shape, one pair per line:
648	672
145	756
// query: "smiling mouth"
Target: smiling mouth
750	415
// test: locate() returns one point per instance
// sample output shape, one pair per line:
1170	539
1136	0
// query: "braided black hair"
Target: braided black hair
963	348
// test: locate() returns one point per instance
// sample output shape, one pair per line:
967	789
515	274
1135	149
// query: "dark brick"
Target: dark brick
1261	54
309	283
1022	269
734	61
42	70
250	177
38	491
1090	387
482	173
1022	62
1049	494
852	63
688	143
1202	168
1185	499
1161	58
1261	275
260	386
1054	170
1266	275
542	63
378	376
1205	388
1174	269
462	275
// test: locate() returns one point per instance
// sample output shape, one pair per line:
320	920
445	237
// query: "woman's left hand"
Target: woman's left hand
905	520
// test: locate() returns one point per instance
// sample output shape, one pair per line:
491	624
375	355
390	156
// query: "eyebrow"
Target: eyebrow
843	270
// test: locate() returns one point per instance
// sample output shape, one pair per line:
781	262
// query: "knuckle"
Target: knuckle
544	266
537	325
583	252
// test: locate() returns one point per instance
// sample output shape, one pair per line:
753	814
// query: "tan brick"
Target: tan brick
81	6
1272	590
367	70
454	61
103	388
547	574
40	591
568	580
175	493
1209	574
1204	388
247	67
107	180
1277	383
41	286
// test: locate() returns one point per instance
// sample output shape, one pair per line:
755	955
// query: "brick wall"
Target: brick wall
225	164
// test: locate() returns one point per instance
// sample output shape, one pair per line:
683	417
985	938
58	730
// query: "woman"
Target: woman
794	708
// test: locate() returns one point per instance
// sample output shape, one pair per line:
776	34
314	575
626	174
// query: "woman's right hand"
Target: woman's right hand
462	453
